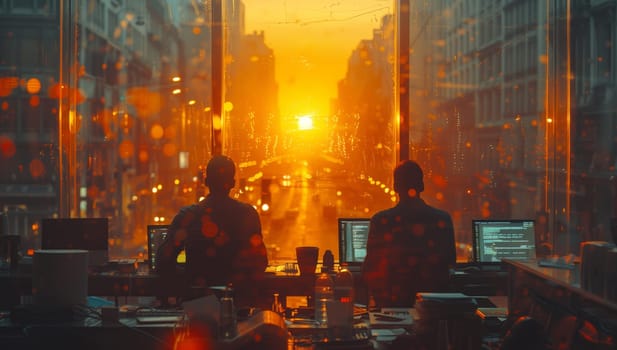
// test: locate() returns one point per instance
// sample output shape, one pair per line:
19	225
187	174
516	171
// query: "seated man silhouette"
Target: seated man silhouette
221	236
410	247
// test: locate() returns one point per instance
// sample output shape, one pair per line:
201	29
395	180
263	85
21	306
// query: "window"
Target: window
23	4
7	47
29	48
31	115
8	115
306	96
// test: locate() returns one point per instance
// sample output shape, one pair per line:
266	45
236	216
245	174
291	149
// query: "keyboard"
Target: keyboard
158	319
361	334
157	316
158	312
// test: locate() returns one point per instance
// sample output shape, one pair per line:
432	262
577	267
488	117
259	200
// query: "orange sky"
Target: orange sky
312	40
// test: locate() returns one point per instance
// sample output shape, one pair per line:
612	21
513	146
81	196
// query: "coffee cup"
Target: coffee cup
307	259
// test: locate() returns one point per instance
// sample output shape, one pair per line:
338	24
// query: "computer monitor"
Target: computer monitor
89	234
494	240
352	236
156	236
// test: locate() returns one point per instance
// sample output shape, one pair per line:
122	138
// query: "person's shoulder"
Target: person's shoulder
185	212
429	209
243	206
248	207
189	209
384	214
440	212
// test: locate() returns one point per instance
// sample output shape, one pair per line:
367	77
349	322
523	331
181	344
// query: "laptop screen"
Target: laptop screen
352	236
494	240
156	236
89	234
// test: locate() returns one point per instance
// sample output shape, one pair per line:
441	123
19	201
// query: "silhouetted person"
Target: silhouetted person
410	246
221	236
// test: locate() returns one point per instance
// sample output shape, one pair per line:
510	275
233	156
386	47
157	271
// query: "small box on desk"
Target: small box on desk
127	266
450	318
392	318
444	305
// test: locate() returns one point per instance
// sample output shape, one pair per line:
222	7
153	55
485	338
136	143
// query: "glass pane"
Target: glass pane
144	110
309	105
511	113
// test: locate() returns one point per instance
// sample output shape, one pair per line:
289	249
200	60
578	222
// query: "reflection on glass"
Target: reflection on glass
114	113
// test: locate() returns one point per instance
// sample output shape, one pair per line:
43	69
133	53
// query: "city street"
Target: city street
306	201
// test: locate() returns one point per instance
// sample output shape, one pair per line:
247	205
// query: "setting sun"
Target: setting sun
305	122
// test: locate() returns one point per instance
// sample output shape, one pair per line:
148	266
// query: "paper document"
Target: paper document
391	317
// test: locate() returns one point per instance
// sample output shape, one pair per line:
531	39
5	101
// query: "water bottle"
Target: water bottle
228	320
343	290
324	289
340	326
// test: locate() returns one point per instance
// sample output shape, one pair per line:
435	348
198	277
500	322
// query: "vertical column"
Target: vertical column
403	74
68	191
217	76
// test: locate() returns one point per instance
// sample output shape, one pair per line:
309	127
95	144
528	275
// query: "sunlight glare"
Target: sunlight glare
305	122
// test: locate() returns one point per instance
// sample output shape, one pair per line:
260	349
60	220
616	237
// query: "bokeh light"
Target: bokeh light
143	156
169	149
7	85
37	168
93	192
33	86
7	147
156	131
126	149
35	101
217	123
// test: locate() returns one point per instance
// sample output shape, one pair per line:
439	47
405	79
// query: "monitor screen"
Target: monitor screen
494	240
89	234
156	236
352	236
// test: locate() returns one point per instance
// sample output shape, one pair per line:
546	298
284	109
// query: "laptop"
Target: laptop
156	236
352	236
89	234
494	240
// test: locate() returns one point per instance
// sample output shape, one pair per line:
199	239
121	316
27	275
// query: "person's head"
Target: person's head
408	179
220	174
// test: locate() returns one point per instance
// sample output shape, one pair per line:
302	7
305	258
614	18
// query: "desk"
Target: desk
88	333
264	330
554	297
16	284
478	282
115	284
91	333
560	285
